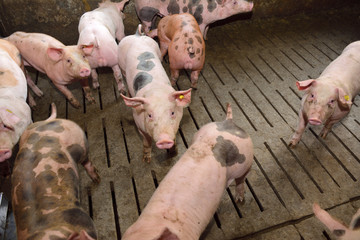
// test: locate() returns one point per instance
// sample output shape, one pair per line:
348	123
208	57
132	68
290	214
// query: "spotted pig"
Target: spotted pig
329	98
188	196
97	32
204	11
15	113
62	64
337	228
180	35
45	182
157	107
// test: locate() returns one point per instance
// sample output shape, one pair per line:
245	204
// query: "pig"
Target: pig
97	32
187	198
15	113
337	228
157	107
45	182
180	35
62	64
204	11
328	99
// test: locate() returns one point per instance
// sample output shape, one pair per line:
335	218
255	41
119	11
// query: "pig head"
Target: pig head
157	107
15	114
187	198
45	181
180	36
205	12
336	227
328	99
62	64
97	32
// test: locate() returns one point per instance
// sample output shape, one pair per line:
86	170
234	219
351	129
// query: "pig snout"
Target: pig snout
314	121
5	154
84	72
164	142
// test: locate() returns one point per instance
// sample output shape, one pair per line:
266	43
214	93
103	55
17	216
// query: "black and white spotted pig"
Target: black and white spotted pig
190	193
336	227
45	182
204	11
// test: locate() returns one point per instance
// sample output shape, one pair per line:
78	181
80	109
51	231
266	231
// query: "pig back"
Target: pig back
45	181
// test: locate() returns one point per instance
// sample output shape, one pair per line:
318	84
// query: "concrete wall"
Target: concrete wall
59	18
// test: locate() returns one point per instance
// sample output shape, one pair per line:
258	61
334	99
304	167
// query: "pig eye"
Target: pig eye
332	101
68	60
8	127
149	115
172	113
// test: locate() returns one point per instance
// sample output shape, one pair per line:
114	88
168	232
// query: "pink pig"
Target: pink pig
337	228
188	196
15	113
157	107
180	34
97	32
328	98
45	182
204	11
62	64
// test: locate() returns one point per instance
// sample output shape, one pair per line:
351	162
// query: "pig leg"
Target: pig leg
119	79
95	79
70	97
174	76
326	129
194	78
299	131
204	29
85	85
31	100
164	45
147	147
32	85
91	171
240	187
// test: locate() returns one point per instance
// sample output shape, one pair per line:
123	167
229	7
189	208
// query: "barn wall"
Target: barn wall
60	18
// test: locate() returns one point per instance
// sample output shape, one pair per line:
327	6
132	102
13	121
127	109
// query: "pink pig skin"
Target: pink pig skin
180	35
205	11
62	64
157	107
15	114
188	196
45	182
337	228
97	32
328	99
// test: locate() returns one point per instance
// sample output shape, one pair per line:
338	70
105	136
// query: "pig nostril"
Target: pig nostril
84	72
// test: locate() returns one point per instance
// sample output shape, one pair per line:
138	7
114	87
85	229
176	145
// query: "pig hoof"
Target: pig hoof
147	159
96	85
74	102
95	177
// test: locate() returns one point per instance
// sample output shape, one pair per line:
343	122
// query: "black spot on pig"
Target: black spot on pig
198	38
185	35
183	24
147	13
173	7
77	217
197	50
185	9
145	63
176	47
47	141
58	156
1	73
76	152
357	223
339	232
230	127
141	80
176	39
211	5
51	126
26	154
226	152
198	14
190	41
33	138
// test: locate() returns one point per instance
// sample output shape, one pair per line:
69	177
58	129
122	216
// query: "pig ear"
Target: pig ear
303	85
333	225
87	49
134	102
168	235
55	54
182	98
120	5
8	117
344	99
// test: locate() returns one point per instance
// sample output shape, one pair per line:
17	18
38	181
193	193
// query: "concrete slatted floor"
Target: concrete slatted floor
253	65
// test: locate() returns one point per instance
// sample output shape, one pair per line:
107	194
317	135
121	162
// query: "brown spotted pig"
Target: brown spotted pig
188	196
180	35
45	182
